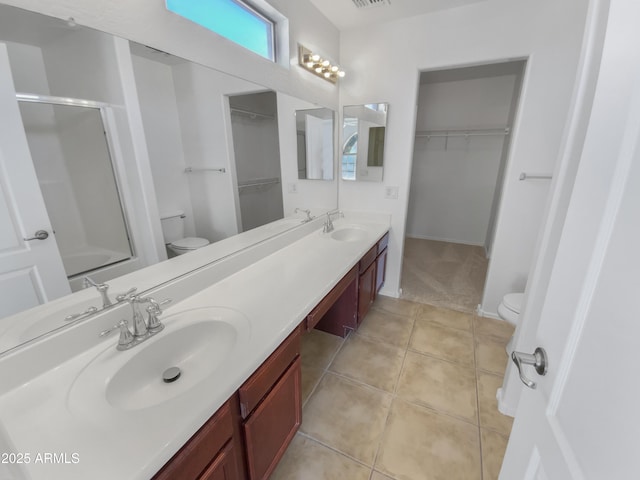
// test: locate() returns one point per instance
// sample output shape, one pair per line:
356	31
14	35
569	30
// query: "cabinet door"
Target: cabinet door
271	427
366	291
224	466
381	269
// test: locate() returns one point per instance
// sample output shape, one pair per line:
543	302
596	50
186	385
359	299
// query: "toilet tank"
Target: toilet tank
172	226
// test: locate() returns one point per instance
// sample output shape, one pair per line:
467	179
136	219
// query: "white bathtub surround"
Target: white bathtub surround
273	284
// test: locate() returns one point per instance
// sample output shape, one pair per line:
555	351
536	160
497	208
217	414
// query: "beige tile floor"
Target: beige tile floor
410	396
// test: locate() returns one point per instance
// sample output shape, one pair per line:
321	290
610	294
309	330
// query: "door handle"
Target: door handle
538	360
39	235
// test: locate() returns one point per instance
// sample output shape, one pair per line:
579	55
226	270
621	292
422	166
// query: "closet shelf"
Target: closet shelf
258	182
477	132
251	114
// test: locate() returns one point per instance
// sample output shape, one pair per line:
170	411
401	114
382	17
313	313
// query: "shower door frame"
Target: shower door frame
108	124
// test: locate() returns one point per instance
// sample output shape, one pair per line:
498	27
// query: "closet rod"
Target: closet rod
535	176
251	114
462	133
256	183
204	169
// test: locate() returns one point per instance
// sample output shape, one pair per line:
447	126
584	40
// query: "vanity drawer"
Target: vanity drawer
330	299
382	244
258	385
368	259
192	459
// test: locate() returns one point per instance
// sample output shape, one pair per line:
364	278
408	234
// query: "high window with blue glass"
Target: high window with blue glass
232	19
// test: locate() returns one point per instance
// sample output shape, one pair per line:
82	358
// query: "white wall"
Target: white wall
163	134
317	195
453	179
383	67
176	35
203	109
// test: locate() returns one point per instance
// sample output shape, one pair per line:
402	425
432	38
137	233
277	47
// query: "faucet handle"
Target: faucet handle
154	311
126	339
126	295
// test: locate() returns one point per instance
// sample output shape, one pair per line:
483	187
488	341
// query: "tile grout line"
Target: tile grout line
394	394
475	361
333	449
325	370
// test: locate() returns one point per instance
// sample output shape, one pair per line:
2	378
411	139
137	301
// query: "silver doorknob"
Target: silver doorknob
538	360
39	235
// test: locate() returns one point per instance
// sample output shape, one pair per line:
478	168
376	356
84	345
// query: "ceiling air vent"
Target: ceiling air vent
370	3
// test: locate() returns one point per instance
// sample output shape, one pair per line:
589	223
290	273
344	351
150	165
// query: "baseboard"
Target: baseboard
438	239
483	313
390	293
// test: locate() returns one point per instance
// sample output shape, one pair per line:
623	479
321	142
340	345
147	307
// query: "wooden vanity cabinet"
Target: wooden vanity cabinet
337	311
213	452
367	282
248	435
271	408
381	262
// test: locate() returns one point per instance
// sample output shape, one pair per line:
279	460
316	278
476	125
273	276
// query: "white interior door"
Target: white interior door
31	271
583	419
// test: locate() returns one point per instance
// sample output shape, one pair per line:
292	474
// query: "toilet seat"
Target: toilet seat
189	243
513	301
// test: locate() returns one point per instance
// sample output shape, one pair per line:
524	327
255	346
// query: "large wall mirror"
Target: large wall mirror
126	156
363	135
314	135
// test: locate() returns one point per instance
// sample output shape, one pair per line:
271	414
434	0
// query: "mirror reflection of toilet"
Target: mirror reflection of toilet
173	232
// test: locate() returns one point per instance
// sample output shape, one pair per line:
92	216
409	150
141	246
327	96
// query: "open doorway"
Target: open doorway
463	130
254	128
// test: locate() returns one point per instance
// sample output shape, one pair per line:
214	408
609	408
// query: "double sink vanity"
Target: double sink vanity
229	350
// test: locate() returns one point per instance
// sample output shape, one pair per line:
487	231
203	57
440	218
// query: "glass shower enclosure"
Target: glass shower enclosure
73	164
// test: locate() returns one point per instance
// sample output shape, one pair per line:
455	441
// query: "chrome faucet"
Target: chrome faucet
328	225
142	330
102	289
308	212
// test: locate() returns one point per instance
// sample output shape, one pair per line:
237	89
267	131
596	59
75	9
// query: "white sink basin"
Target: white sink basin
199	342
349	234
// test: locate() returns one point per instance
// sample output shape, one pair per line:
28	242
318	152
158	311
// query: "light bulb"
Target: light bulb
327	74
341	73
319	70
325	63
315	57
310	64
334	68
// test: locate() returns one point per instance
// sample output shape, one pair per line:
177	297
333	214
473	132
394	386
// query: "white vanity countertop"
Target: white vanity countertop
275	294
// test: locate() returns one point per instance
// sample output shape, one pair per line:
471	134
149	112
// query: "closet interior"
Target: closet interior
461	150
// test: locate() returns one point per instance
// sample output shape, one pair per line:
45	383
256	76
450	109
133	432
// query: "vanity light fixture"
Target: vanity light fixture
319	66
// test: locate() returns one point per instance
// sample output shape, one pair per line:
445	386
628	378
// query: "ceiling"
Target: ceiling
345	15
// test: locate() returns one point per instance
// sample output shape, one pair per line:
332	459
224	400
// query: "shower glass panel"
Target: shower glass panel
71	157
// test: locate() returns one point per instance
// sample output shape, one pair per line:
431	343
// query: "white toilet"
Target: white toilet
173	232
509	308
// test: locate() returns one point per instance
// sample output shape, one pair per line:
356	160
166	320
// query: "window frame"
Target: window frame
268	15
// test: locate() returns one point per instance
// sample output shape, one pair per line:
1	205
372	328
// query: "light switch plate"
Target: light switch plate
391	192
293	188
